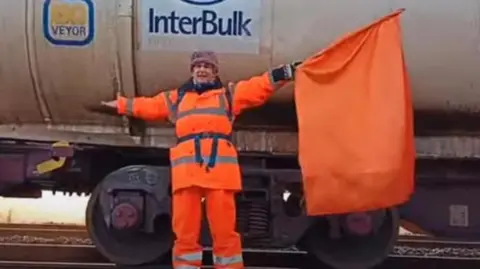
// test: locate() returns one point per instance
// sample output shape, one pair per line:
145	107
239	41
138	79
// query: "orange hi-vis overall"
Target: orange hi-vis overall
204	162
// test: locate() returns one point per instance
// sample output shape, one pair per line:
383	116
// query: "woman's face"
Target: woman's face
203	73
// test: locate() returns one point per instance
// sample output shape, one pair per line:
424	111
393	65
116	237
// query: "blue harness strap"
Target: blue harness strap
214	152
198	136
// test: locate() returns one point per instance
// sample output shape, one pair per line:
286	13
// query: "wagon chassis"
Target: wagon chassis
129	210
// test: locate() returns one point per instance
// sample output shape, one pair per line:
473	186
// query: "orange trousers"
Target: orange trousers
221	215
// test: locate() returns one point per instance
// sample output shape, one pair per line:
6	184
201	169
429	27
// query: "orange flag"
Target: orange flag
354	109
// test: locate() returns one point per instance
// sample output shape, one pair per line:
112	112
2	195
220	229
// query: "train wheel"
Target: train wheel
353	241
128	216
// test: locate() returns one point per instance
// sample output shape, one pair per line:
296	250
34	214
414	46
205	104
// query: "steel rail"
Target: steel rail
42	230
409	252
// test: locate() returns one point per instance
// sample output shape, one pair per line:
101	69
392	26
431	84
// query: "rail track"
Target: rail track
68	246
44	233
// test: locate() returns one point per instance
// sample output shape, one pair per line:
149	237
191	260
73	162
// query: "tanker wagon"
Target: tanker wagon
59	57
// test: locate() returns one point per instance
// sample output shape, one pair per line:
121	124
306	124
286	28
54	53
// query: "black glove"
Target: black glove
285	72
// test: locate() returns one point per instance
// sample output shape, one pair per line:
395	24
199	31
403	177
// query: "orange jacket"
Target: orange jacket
208	161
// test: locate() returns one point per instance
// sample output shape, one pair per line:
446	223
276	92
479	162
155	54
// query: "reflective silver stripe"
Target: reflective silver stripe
204	111
171	113
231	87
186	267
219	111
129	107
191	159
191	257
227	260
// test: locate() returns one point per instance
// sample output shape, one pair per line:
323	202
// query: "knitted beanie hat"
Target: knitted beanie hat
204	57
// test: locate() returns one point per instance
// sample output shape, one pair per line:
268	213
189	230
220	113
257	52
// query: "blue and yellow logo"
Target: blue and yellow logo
69	22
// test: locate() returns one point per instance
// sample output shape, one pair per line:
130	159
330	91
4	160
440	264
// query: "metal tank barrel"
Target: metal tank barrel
56	56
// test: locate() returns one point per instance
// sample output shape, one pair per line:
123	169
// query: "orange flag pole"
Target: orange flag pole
355	120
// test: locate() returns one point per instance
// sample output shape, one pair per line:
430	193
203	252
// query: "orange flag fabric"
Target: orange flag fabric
355	120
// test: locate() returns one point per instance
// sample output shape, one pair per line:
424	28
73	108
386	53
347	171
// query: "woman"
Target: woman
204	161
